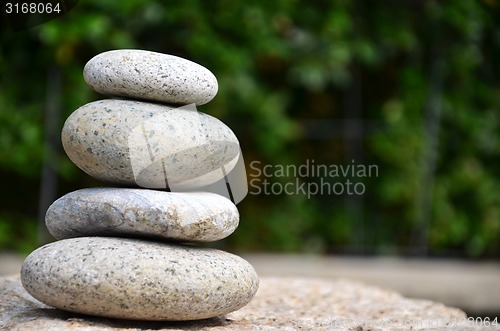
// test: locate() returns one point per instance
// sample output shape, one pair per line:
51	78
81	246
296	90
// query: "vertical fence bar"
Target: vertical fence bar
432	120
49	182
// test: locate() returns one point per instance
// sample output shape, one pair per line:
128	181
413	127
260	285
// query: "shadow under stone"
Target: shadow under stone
61	315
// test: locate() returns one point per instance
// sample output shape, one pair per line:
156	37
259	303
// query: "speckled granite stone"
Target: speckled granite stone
149	145
188	216
150	76
284	304
136	279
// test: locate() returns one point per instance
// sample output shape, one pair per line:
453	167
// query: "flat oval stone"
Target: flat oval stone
150	76
149	145
188	216
136	279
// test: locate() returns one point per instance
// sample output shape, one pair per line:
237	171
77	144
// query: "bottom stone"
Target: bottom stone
137	279
280	304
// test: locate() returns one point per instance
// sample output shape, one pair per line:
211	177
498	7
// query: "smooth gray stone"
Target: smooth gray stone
136	279
149	145
152	76
189	216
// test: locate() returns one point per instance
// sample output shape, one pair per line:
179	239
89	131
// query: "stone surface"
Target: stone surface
136	279
280	304
188	216
471	285
140	74
149	145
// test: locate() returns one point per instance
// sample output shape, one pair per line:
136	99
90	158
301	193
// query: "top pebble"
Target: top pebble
150	76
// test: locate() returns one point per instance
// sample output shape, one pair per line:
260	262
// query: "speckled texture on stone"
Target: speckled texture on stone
146	75
280	304
149	145
136	279
187	216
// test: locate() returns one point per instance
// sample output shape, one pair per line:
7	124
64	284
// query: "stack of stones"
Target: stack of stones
127	251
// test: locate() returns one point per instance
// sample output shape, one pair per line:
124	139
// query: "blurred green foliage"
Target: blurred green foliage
280	64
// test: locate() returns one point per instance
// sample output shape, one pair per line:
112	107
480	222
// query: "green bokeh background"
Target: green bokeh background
409	86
